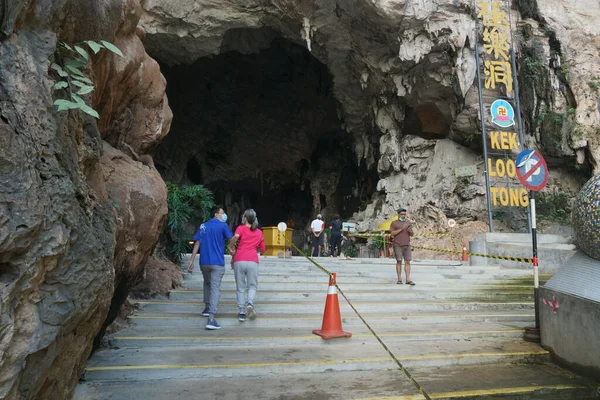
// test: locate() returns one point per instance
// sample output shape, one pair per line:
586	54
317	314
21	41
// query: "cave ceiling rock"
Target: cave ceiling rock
364	45
414	46
387	119
467	121
370	48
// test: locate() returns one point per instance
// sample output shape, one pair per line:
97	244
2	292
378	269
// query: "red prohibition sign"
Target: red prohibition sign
544	170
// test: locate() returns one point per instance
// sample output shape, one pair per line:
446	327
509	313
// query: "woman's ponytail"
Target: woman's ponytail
250	216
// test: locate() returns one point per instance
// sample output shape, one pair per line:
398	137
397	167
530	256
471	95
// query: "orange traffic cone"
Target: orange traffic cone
332	320
465	256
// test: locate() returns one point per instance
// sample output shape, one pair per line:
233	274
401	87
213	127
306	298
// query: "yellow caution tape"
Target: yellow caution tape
518	259
454	244
386	234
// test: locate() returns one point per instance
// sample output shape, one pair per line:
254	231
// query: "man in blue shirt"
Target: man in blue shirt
210	239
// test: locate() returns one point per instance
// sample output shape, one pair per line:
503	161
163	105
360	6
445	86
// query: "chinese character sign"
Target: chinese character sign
496	42
496	75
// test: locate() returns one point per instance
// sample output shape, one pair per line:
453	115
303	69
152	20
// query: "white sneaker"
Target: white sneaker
250	312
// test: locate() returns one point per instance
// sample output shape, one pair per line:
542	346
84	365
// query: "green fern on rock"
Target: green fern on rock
71	65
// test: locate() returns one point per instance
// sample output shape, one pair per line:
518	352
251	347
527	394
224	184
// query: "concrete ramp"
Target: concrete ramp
553	250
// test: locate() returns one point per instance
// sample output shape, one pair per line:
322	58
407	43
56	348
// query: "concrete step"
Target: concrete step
221	360
514	318
513	381
399	293
157	307
498	277
181	332
382	284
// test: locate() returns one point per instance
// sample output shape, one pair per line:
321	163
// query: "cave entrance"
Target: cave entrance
261	130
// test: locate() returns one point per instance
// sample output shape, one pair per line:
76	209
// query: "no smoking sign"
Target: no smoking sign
532	170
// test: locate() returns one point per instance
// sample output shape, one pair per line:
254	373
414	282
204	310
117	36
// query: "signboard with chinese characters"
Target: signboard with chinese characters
499	108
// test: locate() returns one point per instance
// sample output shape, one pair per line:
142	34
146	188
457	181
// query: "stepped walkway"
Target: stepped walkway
458	332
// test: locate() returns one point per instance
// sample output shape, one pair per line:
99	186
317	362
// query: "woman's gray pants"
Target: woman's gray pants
246	278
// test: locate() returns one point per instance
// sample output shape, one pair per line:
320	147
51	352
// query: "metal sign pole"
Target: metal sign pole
519	119
532	172
536	277
532	334
483	133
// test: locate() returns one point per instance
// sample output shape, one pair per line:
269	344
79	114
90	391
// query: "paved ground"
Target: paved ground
458	331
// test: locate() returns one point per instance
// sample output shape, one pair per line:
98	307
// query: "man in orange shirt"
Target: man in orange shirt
401	231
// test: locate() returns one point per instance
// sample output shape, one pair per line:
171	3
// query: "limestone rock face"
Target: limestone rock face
578	68
56	239
139	199
130	94
64	240
405	71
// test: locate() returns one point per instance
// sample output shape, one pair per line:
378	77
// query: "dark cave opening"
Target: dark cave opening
262	131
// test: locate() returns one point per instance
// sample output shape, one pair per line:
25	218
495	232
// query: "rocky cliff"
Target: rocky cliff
386	91
80	212
403	74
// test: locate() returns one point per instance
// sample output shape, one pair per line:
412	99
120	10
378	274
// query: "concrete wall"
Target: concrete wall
572	334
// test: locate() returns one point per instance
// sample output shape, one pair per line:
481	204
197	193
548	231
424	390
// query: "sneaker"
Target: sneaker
250	311
212	324
205	312
241	317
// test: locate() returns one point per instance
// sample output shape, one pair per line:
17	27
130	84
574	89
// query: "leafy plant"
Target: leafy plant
559	205
565	67
534	70
379	242
558	119
71	66
351	251
185	203
542	112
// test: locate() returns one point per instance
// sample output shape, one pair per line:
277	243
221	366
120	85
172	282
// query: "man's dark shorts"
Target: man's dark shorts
318	241
403	252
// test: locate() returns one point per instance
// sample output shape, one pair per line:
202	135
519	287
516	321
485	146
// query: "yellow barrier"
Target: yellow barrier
275	240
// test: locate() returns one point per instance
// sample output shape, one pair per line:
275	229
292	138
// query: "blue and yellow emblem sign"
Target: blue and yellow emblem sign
503	113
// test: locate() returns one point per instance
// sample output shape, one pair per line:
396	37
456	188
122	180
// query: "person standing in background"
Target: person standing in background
336	236
210	240
317	226
401	231
245	262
